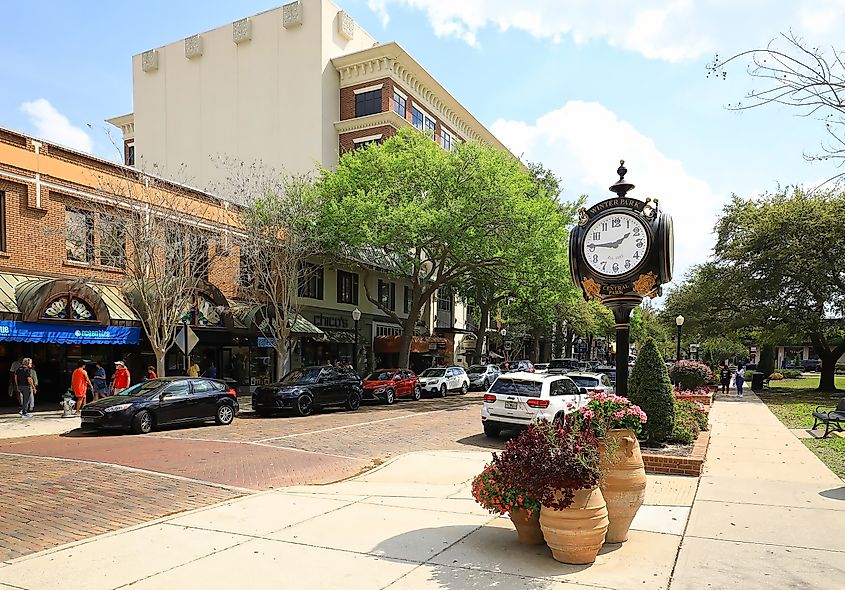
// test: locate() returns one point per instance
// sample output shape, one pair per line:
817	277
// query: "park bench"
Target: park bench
836	416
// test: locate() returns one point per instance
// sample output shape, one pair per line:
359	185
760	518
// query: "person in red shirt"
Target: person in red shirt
151	374
120	381
79	383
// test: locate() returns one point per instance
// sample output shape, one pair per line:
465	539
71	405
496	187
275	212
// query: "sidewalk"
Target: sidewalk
768	513
13	425
408	524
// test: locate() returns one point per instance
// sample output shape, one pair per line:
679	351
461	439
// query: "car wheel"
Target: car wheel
486	384
417	393
142	422
464	388
389	397
353	402
225	414
304	405
491	430
443	390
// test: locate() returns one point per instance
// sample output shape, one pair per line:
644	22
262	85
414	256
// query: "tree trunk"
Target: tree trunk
558	348
159	362
535	345
570	336
407	335
481	333
827	381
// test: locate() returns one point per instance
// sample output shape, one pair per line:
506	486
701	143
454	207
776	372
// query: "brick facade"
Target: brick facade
346	141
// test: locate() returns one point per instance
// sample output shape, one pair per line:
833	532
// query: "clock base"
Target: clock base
622	307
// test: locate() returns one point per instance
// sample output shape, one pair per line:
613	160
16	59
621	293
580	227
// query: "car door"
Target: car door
204	398
335	389
174	402
449	379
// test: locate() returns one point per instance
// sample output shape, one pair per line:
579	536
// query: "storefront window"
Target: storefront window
68	307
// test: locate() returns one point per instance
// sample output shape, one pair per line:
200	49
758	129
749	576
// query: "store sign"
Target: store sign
67	333
330	321
264	342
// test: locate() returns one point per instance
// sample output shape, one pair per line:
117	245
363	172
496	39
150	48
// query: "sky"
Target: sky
574	84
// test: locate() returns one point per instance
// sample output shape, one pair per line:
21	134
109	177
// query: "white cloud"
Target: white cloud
583	143
54	126
670	30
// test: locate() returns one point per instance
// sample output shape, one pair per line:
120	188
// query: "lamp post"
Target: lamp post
504	333
679	321
356	315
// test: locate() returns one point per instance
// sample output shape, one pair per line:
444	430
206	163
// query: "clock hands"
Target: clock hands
614	244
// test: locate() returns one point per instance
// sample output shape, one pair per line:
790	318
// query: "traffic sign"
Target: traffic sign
186	339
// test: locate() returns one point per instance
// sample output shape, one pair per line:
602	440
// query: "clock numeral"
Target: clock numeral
596	235
615	267
636	255
640	243
603	266
636	229
604	226
628	221
595	258
628	263
616	222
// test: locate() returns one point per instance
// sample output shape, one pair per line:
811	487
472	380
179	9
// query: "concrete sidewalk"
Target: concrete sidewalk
13	425
408	524
768	513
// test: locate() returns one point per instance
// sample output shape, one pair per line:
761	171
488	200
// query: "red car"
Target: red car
385	385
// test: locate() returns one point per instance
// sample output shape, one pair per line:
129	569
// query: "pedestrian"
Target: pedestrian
35	387
740	378
101	386
79	384
120	380
13	384
211	371
725	378
24	385
150	374
194	370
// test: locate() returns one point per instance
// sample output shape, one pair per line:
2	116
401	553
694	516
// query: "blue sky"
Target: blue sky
574	84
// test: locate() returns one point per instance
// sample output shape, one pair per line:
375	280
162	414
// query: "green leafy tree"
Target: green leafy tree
649	388
433	216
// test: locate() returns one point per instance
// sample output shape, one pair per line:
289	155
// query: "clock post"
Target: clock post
621	252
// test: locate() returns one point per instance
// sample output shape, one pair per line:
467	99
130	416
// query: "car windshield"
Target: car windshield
518	387
302	376
584	381
433	373
141	388
381	376
476	369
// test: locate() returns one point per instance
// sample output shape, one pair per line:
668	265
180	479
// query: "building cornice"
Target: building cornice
391	60
370	121
126	124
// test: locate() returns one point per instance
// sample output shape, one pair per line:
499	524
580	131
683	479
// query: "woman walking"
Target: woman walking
740	378
725	378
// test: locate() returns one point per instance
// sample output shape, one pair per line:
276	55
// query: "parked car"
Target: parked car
541	367
304	390
385	385
482	376
810	365
608	370
517	399
441	380
513	366
560	366
167	400
592	382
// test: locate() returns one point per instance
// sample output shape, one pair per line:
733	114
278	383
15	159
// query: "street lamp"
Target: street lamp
679	321
356	315
504	333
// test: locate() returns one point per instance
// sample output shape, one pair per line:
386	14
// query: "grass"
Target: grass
793	401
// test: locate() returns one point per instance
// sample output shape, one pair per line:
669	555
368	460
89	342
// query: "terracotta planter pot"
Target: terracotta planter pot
622	483
527	527
576	534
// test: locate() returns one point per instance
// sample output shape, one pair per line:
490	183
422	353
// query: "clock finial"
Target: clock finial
620	187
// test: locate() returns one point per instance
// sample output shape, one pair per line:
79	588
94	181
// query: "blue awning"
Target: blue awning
67	333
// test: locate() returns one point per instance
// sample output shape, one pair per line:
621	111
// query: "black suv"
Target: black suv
304	390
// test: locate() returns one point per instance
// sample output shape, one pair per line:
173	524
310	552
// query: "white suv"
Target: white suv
440	380
517	399
593	382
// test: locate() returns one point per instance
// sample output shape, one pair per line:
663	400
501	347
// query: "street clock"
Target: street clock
620	252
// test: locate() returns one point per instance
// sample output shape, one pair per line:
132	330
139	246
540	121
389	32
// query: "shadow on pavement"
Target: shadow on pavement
485	442
834	493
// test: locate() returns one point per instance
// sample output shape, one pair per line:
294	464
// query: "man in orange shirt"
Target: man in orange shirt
79	383
120	381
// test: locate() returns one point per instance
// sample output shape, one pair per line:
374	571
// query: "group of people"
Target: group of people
81	383
738	376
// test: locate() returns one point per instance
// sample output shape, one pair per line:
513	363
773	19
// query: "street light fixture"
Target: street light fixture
356	315
679	321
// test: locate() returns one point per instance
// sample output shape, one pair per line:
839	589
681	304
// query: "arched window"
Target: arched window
68	307
204	312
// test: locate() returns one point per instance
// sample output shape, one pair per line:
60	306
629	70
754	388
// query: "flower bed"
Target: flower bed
703	395
661	462
690	437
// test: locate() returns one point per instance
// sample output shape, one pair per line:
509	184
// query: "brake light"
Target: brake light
489	398
538	403
594	390
231	392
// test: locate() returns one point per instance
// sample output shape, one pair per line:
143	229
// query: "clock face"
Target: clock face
615	244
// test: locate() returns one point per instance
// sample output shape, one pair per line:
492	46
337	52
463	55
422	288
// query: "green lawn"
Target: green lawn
793	402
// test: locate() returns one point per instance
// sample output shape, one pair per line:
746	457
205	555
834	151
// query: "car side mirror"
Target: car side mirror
582	390
162	395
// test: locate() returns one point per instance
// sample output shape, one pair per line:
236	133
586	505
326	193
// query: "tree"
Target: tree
649	388
432	216
167	240
646	325
279	220
797	75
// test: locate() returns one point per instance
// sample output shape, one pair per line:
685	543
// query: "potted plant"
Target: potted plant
498	496
560	468
615	422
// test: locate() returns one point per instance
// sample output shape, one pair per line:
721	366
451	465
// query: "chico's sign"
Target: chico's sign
329	321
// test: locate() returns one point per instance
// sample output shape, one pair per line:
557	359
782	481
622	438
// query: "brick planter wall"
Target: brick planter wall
689	465
706	398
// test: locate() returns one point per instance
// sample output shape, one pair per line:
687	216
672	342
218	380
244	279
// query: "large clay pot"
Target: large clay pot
527	527
622	482
576	534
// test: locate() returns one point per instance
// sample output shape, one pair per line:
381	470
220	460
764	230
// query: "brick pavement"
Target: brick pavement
46	502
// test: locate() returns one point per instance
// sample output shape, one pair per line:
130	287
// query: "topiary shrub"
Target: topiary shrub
650	389
791	373
767	359
690	374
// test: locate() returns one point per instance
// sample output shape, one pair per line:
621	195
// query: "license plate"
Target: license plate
84	419
510	405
